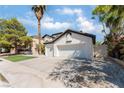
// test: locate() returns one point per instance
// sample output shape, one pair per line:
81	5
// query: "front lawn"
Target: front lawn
16	58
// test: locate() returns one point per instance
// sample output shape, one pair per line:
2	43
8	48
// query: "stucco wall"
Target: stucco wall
100	51
82	44
49	51
34	46
47	39
78	39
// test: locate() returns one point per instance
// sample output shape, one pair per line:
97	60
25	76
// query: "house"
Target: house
48	38
56	34
71	44
34	47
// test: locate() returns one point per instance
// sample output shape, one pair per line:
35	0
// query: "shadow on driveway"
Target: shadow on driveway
80	73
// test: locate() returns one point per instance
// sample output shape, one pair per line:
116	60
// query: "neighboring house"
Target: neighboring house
71	44
56	35
35	43
47	38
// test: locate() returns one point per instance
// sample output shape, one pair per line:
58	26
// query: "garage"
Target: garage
71	44
72	51
49	50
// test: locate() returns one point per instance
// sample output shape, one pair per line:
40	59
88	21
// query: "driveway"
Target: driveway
56	72
29	73
42	63
103	73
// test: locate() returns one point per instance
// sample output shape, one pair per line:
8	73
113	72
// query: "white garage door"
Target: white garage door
73	51
50	51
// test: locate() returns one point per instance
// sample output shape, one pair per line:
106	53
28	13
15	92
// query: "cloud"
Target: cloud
30	15
88	26
29	22
69	11
84	24
50	24
56	25
48	19
46	23
28	19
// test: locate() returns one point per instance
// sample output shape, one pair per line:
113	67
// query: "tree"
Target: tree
98	42
5	44
39	12
11	33
26	41
112	16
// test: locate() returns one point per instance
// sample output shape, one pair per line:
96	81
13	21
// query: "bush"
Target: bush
41	47
122	57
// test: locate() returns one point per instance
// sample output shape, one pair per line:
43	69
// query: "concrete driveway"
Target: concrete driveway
30	73
42	63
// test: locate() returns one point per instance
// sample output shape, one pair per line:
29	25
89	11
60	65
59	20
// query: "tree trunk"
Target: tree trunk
16	50
39	37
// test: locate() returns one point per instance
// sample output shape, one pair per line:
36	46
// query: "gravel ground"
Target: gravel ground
82	73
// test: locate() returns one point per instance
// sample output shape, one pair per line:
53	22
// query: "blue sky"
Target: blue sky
56	19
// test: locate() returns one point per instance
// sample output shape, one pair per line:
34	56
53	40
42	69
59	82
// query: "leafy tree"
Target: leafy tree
42	48
112	16
26	41
11	34
98	42
5	44
39	12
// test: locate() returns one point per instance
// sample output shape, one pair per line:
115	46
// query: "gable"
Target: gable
48	36
79	34
72	38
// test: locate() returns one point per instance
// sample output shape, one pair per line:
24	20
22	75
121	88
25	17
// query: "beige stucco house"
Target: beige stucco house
35	42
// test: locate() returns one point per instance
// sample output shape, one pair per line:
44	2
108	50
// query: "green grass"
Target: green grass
17	58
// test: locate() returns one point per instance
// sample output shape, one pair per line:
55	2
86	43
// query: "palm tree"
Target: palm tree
113	18
39	12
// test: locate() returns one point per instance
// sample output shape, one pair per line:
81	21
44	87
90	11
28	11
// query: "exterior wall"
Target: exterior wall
47	39
100	51
78	39
34	46
12	51
81	44
57	35
49	51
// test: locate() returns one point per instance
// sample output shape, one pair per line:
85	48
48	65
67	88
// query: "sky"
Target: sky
56	19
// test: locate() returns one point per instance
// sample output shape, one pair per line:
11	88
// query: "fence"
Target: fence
100	51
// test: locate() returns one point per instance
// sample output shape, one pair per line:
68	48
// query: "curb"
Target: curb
117	61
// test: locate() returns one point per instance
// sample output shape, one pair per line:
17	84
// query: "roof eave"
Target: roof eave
86	34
